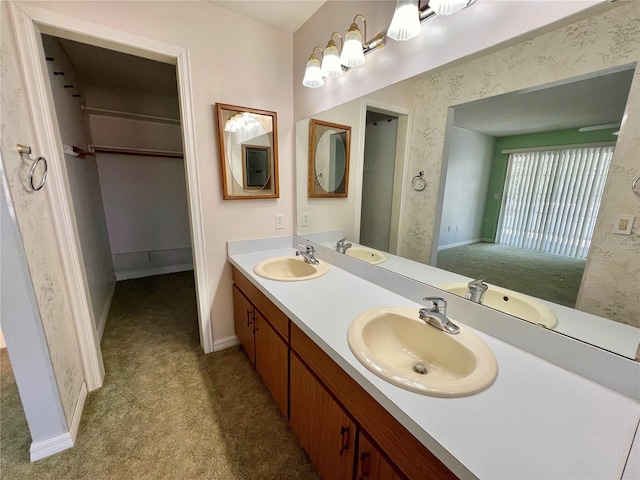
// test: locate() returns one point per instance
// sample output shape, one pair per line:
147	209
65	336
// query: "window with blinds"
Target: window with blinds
552	197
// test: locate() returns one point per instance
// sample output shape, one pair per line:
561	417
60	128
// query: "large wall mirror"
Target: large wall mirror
248	141
329	145
563	103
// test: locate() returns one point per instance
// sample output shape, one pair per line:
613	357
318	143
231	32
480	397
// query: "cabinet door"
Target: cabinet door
324	429
373	465
272	362
243	317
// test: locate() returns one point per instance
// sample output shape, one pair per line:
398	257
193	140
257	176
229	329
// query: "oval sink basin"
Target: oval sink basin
510	302
289	269
397	346
368	255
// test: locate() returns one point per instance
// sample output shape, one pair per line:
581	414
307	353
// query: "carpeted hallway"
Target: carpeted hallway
166	410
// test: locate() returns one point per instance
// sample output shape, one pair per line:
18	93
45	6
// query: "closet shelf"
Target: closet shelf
132	116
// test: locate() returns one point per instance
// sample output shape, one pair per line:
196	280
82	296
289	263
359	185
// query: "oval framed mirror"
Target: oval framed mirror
248	142
329	145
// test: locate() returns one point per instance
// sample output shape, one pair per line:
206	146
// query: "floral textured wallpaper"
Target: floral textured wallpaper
36	227
605	40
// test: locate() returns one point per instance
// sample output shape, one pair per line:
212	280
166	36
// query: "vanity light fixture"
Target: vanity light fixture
408	15
405	23
312	75
352	51
331	66
447	7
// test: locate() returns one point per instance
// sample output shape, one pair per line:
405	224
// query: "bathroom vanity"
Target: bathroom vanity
536	420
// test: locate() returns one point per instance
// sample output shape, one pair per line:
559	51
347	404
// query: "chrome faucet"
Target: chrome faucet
341	246
437	315
308	254
476	290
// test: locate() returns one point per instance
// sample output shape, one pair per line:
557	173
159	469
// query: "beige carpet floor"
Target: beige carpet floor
166	410
551	277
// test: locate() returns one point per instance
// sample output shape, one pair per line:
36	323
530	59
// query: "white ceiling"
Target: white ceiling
286	15
596	100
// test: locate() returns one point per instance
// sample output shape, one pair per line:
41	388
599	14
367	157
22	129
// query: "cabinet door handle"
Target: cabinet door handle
249	319
344	439
364	465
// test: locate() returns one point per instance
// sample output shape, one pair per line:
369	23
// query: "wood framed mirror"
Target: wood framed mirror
329	145
248	142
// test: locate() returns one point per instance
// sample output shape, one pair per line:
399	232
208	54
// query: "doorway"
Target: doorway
29	23
386	138
119	122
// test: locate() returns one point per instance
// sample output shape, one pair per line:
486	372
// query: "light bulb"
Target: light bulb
405	23
352	54
447	7
331	67
312	75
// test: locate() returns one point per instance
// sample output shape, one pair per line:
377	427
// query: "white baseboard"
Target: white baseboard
50	446
152	271
460	244
101	322
77	411
227	342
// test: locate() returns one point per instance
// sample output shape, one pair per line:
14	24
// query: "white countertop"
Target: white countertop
607	334
537	421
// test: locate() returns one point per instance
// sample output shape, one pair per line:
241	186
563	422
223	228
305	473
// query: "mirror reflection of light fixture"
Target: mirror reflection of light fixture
312	75
352	53
331	66
405	23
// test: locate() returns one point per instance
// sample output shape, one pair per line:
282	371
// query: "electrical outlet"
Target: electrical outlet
305	219
279	221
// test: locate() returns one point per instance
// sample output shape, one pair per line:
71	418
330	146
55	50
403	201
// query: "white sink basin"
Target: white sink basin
397	346
290	269
510	302
368	255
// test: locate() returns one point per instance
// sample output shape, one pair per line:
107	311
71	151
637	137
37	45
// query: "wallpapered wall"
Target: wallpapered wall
595	43
36	227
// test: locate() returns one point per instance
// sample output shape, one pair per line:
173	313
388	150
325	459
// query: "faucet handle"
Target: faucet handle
478	282
439	304
308	248
341	241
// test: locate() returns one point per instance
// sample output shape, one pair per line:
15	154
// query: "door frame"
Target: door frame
29	22
405	118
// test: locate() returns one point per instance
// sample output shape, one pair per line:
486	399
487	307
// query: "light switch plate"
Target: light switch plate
623	224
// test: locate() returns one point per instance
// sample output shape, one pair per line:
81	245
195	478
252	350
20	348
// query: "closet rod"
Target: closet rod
142	152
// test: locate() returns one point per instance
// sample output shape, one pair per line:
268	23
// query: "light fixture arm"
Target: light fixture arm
341	39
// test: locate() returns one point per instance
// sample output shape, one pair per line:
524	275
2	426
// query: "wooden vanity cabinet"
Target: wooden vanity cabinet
243	318
347	434
324	429
259	326
272	362
372	464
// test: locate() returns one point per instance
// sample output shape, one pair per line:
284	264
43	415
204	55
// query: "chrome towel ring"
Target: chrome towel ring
26	151
635	186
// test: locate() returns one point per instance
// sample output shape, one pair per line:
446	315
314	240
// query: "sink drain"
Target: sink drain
420	368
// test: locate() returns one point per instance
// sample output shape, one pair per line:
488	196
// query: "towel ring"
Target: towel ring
26	151
634	186
419	183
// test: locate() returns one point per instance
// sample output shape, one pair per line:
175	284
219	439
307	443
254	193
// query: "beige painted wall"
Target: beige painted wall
256	72
601	41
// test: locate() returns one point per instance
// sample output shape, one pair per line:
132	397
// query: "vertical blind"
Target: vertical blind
552	198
